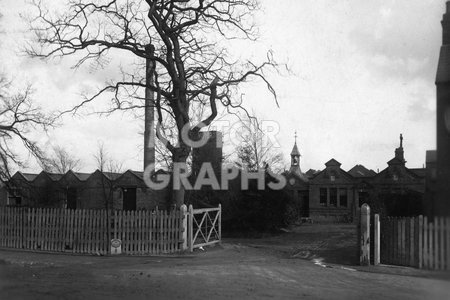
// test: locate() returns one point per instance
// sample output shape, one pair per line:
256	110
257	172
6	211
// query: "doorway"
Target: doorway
129	198
72	198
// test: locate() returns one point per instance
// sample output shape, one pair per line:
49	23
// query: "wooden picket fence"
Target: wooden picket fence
86	231
146	232
415	242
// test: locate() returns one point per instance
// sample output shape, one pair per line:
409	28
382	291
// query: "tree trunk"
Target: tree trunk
180	170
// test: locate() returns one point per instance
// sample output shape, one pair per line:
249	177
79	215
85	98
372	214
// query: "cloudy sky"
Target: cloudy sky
362	73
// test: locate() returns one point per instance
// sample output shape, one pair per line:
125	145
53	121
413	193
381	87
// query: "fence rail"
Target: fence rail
416	242
86	231
204	227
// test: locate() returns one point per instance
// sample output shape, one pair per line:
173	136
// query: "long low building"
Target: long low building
74	190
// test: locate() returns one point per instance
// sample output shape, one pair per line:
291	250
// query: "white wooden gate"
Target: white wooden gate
204	227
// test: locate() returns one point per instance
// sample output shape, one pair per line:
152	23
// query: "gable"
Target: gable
397	174
129	178
42	180
332	175
69	179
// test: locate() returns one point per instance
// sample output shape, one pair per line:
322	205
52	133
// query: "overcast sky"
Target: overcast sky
362	73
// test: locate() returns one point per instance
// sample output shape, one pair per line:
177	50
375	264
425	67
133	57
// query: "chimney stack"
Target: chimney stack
446	26
149	128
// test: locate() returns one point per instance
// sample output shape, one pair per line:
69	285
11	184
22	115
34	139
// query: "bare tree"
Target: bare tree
256	150
18	118
105	163
186	40
61	161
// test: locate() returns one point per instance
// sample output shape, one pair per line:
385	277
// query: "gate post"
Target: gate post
220	223
376	238
364	258
190	228
184	223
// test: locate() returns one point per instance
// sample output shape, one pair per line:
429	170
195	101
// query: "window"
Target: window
323	197
14	198
333	196
343	197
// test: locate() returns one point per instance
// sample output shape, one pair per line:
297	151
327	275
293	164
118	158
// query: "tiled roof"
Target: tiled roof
82	176
54	176
29	176
311	173
137	174
443	71
112	176
361	171
332	162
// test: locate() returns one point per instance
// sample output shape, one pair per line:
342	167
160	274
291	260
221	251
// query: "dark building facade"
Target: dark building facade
99	190
441	201
335	195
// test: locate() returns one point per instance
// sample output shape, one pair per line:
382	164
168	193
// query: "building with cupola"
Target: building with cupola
298	183
335	195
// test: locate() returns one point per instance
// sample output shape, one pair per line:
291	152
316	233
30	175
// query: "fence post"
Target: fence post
364	258
376	237
184	223
190	228
419	247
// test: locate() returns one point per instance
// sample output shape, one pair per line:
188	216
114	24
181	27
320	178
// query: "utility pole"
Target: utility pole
149	128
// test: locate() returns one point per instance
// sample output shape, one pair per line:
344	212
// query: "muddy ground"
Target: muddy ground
312	262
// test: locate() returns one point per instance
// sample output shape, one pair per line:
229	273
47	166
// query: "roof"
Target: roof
443	70
138	174
421	172
295	170
81	176
361	171
295	150
28	176
111	175
54	176
396	161
332	162
311	173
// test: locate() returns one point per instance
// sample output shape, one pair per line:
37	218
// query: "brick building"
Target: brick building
335	195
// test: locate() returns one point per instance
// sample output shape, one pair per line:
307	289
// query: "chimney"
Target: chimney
399	153
446	26
149	128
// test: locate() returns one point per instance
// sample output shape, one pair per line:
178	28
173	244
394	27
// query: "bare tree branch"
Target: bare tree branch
192	64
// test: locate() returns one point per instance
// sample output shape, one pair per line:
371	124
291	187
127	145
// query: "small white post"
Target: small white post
376	237
220	223
364	258
184	222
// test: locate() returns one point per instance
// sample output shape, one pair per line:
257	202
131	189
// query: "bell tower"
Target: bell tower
295	157
441	203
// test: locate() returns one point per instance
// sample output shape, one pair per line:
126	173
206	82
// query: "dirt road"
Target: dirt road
239	269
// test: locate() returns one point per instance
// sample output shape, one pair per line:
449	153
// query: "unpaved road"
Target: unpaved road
240	269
